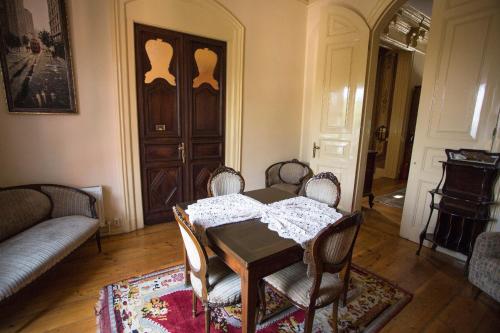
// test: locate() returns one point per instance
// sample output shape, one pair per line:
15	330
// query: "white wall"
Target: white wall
84	149
79	150
273	82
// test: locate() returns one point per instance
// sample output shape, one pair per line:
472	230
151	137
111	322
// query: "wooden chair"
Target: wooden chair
288	176
224	181
214	284
324	187
331	252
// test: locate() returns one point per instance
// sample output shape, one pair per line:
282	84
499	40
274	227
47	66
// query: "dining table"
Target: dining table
251	250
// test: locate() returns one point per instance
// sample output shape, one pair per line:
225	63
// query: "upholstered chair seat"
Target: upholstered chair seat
294	282
319	284
224	181
214	284
289	176
225	285
323	187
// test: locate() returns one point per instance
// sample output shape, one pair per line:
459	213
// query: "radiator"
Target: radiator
96	192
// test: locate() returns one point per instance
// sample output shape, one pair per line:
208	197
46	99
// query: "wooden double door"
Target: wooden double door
181	113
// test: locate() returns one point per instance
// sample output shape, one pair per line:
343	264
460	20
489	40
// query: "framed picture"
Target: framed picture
35	57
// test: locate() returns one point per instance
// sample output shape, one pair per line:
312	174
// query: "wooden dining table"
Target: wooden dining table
251	250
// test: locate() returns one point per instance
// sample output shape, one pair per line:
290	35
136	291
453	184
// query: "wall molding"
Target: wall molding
223	25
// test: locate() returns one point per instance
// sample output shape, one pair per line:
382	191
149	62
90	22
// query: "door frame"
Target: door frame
399	115
171	14
378	26
370	86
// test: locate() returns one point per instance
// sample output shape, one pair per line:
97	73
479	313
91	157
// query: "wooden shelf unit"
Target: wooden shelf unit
466	197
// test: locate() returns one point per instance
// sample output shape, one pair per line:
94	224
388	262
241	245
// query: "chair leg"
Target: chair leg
98	240
346	285
335	313
309	321
207	318
194	304
262	300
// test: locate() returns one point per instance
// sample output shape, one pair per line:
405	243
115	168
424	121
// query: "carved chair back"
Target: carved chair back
225	180
332	250
324	187
196	254
294	172
290	172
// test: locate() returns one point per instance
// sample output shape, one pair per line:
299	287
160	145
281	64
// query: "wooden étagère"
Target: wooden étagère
466	197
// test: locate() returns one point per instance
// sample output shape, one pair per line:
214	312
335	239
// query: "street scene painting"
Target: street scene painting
35	56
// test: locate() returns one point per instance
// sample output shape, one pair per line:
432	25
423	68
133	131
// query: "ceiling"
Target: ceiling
425	6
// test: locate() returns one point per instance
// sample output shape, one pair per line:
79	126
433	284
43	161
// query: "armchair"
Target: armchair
289	176
484	267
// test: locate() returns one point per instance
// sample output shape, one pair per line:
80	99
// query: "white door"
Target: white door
337	103
460	97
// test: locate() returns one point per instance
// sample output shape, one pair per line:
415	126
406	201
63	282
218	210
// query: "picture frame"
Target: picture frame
35	57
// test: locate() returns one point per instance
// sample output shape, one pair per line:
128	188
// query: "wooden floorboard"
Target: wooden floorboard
63	299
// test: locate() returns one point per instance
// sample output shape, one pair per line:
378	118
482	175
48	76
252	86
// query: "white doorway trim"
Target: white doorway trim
206	18
381	16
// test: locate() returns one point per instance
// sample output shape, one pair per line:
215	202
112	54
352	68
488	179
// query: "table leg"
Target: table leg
249	297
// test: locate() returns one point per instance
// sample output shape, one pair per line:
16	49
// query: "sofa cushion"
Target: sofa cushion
20	209
27	255
68	201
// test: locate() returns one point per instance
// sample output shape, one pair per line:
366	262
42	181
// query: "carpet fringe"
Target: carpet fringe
98	309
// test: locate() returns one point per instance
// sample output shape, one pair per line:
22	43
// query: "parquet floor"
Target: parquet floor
63	299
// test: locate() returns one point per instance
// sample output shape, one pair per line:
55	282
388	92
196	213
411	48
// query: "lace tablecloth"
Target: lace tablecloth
300	219
224	209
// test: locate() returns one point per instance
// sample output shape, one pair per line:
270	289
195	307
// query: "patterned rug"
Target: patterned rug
393	199
159	302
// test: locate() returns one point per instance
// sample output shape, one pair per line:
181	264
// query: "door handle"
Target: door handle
182	151
315	147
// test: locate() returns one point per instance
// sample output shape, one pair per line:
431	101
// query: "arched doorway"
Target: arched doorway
458	107
198	17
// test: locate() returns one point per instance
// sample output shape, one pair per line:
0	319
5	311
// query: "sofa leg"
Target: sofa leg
98	240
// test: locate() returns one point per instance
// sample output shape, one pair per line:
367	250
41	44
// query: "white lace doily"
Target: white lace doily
300	219
224	209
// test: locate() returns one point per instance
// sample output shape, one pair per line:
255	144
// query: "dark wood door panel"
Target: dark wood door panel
160	152
204	150
205	83
201	172
206	112
162	111
181	111
159	81
206	86
165	190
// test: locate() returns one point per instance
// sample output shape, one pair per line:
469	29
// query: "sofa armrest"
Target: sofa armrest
487	245
67	201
